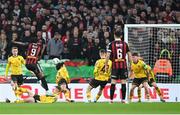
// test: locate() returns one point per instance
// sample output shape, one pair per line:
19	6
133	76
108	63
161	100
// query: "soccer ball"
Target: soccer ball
56	61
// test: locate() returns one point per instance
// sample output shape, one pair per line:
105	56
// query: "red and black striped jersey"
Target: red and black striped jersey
118	50
33	52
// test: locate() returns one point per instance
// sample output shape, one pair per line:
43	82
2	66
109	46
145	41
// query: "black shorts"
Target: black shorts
119	74
151	81
34	68
18	79
139	81
62	81
95	83
36	98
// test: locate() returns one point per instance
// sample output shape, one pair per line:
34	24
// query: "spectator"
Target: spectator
3	45
90	16
75	45
65	39
55	47
16	42
25	39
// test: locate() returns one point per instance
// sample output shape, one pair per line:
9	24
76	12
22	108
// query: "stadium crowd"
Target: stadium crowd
76	28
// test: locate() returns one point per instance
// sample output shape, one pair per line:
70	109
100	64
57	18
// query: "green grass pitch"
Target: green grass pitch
90	108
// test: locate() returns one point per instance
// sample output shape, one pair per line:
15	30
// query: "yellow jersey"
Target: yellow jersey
47	99
99	70
139	69
43	98
62	73
15	63
150	72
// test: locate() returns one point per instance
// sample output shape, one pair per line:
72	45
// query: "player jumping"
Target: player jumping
34	53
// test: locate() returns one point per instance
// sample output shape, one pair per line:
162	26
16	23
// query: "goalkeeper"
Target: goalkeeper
62	81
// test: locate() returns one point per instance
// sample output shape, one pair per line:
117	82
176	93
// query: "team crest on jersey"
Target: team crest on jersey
118	45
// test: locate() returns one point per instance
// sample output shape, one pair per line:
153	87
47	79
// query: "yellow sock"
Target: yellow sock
97	97
131	95
17	92
19	101
147	93
88	94
158	91
67	95
139	94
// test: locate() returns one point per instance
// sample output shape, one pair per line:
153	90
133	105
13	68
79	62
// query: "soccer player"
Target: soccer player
62	81
32	98
139	68
116	52
151	83
101	77
34	53
15	62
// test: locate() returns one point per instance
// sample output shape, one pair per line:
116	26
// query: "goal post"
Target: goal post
159	45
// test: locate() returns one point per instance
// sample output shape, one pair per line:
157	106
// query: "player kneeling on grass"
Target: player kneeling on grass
101	77
32	98
62	80
151	82
139	68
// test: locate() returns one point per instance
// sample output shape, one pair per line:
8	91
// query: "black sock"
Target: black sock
123	90
112	89
44	83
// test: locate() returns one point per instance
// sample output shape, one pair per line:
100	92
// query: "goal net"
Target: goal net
159	45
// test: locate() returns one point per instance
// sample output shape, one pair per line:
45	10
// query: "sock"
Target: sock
44	83
19	101
67	95
147	94
139	93
123	90
88	94
158	92
131	94
112	89
17	93
98	96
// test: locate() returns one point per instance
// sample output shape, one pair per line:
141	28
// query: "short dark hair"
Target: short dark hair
14	47
118	33
58	87
33	40
59	65
102	51
135	54
56	33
